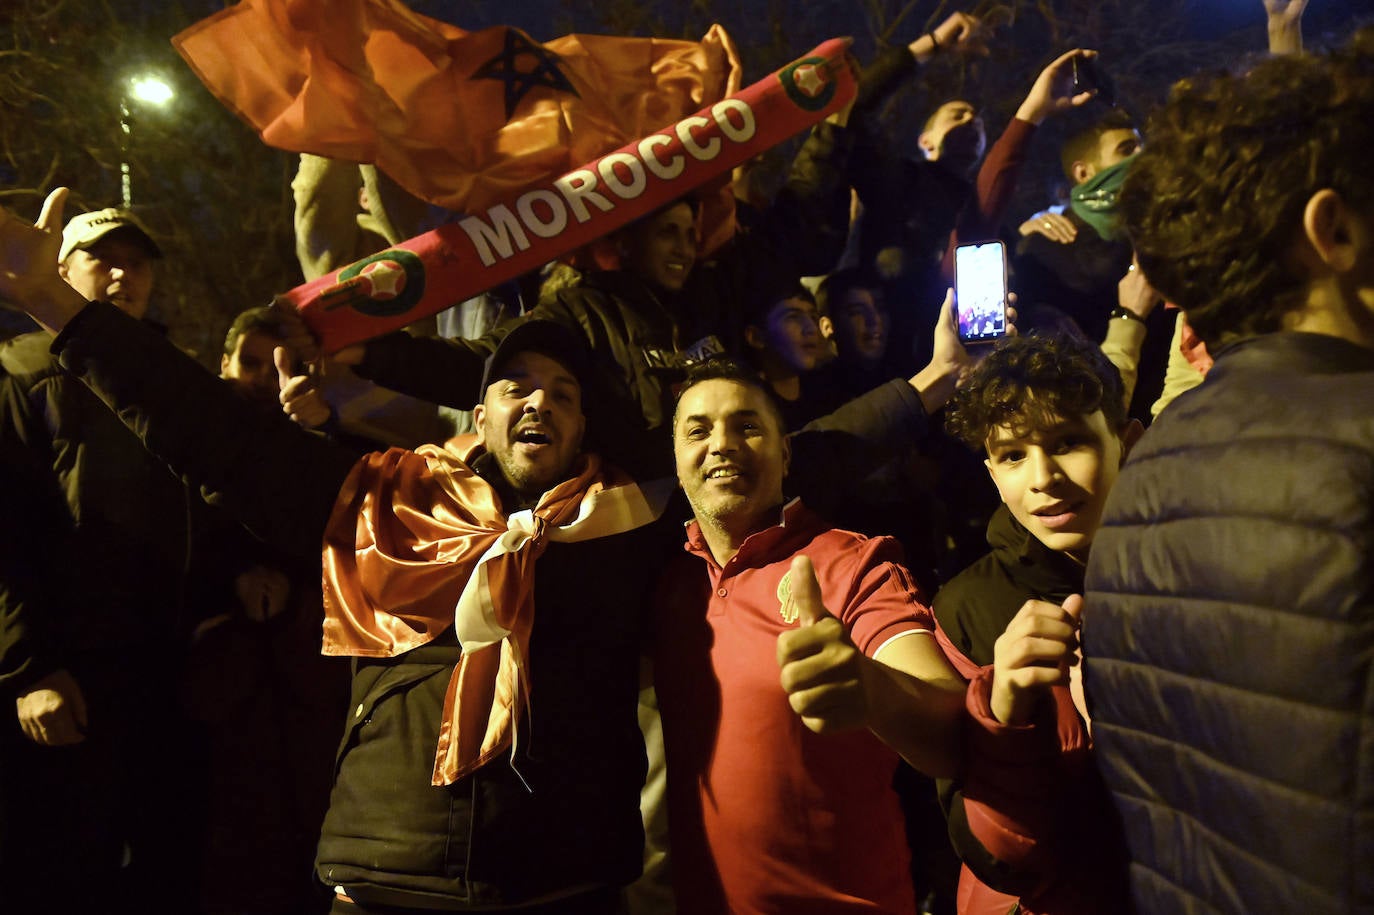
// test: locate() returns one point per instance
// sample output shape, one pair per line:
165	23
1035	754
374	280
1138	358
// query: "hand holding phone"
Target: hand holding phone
1088	75
980	291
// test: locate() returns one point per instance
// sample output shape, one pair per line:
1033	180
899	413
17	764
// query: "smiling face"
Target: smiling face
531	422
1055	479
731	458
662	248
117	268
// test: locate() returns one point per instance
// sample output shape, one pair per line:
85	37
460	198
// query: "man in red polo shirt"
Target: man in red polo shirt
780	795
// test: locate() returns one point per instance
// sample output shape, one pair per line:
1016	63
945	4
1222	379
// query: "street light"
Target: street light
149	90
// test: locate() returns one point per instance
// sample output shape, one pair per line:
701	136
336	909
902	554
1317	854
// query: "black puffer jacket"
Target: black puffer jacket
1229	632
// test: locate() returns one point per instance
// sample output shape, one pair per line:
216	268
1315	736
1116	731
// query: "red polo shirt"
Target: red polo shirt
764	815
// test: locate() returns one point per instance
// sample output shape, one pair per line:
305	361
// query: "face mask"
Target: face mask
1095	200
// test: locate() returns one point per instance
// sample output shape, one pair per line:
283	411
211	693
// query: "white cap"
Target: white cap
88	228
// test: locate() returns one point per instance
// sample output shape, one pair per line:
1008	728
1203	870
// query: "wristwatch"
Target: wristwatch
1119	312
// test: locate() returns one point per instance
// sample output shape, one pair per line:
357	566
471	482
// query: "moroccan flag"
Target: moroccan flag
427	273
460	119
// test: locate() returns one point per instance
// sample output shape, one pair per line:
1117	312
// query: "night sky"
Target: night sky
543	18
1218	17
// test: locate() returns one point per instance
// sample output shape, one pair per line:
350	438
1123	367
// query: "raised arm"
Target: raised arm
28	265
1051	94
959	35
834	453
1285	25
254	463
327	232
874	168
906	694
1136	299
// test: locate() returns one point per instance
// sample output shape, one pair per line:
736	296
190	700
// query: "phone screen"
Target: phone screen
980	291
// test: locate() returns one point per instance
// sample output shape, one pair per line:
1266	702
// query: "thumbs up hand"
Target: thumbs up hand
1035	652
300	395
821	670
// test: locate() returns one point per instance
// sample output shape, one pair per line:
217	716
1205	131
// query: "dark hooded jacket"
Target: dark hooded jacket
1029	817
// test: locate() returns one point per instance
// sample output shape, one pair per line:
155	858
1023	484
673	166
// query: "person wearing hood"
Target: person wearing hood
1027	814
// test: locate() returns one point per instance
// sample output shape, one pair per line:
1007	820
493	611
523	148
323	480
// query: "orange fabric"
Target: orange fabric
977	898
371	81
417	543
456	261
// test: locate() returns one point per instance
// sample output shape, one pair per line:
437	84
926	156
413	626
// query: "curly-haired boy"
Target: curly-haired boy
1050	414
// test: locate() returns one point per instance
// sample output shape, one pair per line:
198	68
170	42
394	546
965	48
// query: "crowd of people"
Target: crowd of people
673	585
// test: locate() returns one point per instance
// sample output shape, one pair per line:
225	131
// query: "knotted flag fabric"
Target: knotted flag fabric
418	542
460	119
426	274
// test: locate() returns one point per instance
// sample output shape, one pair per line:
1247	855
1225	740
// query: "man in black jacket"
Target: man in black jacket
447	797
1230	595
95	748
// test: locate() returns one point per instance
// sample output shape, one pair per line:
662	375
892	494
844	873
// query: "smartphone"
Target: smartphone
980	291
1088	75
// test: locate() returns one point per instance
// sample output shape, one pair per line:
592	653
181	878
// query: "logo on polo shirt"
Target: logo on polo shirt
787	607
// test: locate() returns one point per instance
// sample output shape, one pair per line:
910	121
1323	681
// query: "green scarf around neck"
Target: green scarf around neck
1095	200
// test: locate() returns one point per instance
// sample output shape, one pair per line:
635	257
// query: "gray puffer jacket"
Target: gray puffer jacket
1229	633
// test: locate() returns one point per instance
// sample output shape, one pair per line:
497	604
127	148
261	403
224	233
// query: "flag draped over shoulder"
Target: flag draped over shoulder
418	542
460	119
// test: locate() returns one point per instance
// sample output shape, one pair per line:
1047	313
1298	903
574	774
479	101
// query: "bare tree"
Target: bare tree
215	196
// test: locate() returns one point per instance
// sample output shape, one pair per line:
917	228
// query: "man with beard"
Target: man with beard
446	797
482	768
780	794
